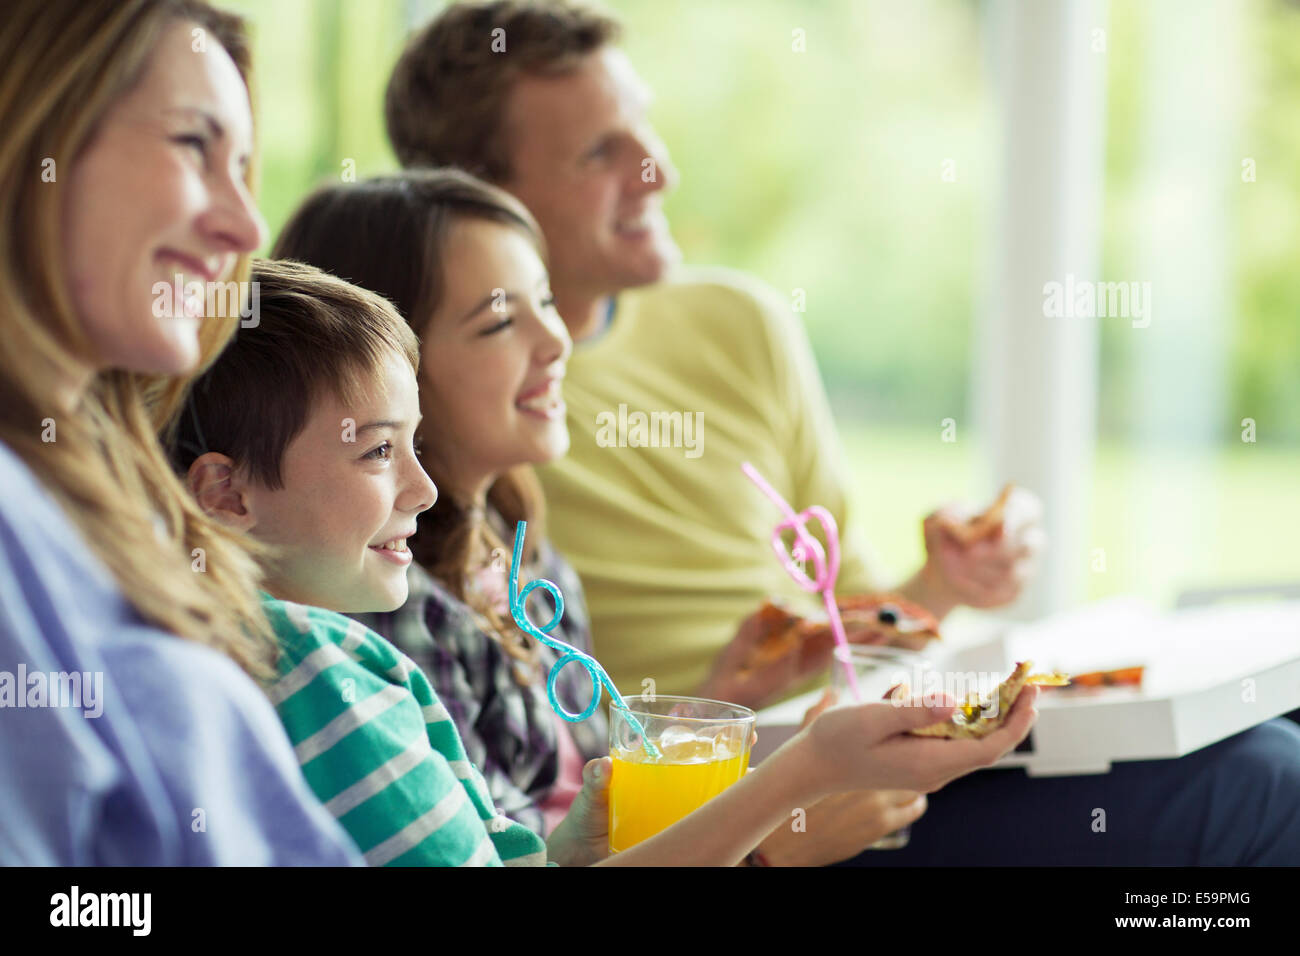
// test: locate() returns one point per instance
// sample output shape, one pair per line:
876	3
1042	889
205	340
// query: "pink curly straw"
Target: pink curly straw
828	567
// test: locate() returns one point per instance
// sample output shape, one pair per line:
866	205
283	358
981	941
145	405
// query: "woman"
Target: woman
472	284
127	168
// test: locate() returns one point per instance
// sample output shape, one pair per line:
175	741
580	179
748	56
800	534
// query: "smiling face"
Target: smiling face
341	520
492	359
159	192
589	166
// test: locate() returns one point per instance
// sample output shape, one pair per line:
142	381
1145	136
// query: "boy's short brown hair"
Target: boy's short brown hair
447	95
314	334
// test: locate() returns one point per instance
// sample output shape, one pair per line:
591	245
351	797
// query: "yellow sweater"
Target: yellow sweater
671	540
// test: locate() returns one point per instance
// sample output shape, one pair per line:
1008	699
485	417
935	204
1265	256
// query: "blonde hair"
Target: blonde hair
66	63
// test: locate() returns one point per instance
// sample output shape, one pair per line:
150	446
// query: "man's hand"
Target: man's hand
582	837
989	572
739	679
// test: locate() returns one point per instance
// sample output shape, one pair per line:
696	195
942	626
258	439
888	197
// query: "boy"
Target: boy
302	433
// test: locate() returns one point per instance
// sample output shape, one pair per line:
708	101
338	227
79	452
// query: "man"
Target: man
672	542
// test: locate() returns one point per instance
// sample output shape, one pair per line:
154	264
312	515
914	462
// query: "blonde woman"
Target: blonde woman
126	618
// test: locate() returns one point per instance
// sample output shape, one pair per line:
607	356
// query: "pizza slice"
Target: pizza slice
888	619
975	719
782	635
985	523
1119	677
870	619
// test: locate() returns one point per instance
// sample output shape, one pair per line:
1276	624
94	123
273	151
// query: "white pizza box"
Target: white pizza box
1211	672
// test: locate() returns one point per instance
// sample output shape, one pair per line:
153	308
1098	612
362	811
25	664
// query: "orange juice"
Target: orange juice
646	795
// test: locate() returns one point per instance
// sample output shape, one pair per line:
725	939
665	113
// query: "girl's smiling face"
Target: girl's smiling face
493	359
352	488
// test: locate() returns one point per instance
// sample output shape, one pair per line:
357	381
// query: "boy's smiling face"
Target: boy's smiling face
350	497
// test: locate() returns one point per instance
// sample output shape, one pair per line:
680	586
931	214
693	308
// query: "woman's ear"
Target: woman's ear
220	492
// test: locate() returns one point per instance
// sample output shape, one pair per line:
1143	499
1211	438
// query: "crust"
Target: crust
986	523
782	635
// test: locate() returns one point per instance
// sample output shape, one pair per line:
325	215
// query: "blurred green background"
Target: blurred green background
823	171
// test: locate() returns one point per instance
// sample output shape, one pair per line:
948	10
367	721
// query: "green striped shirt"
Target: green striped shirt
380	750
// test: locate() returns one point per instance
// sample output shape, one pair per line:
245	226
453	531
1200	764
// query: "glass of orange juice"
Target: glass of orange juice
703	749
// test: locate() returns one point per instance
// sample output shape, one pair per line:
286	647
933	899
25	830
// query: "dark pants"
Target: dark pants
1235	803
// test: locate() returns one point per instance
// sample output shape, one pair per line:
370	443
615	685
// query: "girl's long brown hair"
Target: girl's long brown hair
66	62
388	234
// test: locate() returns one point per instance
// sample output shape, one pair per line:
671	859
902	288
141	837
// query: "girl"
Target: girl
126	167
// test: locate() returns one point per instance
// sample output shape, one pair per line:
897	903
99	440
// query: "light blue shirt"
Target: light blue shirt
186	762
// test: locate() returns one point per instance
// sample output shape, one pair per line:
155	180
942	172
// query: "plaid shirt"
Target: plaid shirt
508	730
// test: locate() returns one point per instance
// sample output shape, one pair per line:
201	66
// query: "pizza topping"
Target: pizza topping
868	619
895	620
969	710
1054	679
1120	677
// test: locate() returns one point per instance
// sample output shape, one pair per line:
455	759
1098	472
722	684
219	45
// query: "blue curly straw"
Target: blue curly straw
519	611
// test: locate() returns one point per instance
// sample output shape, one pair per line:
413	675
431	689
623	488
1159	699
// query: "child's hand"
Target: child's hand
867	747
824	703
582	837
842	826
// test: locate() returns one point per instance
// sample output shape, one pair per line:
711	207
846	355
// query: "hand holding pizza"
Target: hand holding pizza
985	560
750	671
775	649
870	746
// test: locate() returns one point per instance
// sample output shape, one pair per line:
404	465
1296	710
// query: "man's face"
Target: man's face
588	165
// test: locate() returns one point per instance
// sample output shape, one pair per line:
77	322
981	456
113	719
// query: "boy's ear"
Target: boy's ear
220	492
